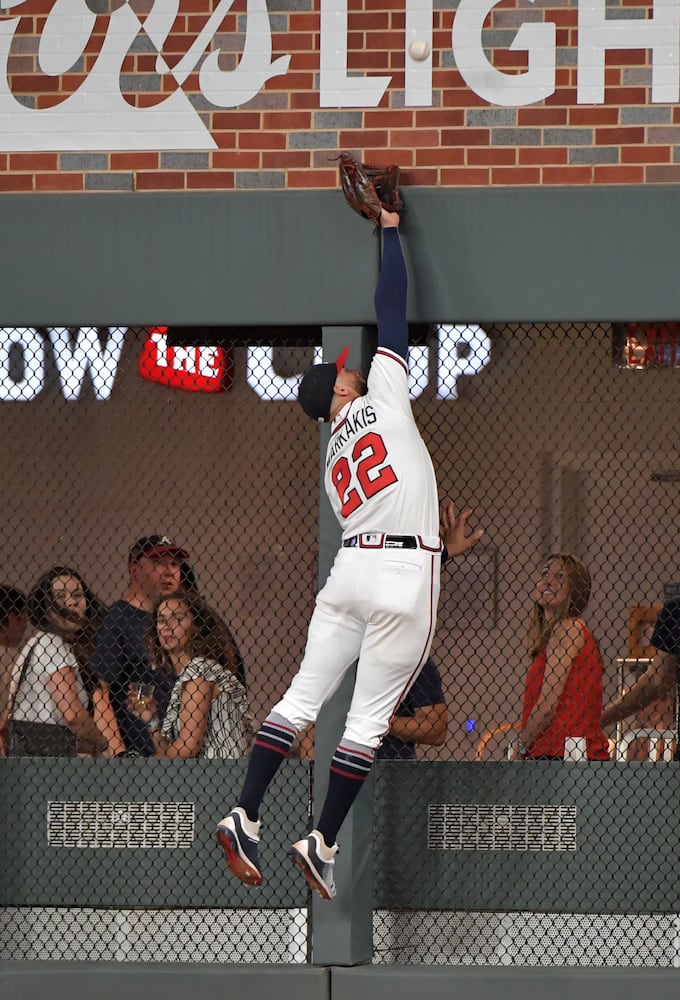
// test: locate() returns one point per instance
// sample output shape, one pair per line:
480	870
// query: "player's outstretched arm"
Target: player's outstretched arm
452	529
391	292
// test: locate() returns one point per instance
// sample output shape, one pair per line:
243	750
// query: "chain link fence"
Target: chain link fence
137	467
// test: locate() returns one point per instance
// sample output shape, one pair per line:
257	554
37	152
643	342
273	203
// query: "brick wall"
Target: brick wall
282	138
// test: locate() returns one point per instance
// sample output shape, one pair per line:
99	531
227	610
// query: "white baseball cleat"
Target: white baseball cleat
316	860
239	838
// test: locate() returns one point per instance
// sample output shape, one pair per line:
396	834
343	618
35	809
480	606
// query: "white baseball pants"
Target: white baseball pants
378	606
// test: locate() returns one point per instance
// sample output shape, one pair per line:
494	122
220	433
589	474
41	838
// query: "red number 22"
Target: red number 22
367	475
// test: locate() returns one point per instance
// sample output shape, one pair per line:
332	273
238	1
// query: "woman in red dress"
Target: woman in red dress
563	686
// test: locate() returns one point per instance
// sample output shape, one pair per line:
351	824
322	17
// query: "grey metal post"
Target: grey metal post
342	929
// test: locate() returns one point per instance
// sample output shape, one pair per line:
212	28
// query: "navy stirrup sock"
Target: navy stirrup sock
270	749
349	769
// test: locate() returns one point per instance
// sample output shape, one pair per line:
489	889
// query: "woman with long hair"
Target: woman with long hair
208	712
563	686
189	583
52	697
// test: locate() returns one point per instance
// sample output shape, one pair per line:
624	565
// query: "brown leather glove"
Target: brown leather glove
368	189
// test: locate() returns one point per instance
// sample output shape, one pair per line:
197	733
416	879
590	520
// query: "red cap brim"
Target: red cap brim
341	359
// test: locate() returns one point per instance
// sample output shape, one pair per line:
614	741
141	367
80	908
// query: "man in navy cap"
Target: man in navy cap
154	566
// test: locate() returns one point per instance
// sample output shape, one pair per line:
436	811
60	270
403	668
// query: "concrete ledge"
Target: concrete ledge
170	981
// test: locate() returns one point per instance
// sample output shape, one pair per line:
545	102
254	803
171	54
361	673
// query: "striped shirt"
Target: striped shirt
228	732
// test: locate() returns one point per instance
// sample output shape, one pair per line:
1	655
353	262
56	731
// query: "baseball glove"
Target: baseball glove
369	189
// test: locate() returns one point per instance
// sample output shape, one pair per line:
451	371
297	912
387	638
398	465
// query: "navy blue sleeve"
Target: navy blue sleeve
426	690
390	296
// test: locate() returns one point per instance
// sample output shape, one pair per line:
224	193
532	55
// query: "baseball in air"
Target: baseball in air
419	50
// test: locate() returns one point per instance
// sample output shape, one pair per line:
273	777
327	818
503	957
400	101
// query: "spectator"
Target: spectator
49	708
189	583
421	718
13	622
121	659
208	711
660	676
563	687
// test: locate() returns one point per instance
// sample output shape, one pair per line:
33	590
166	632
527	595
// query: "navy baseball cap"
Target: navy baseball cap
315	392
155	545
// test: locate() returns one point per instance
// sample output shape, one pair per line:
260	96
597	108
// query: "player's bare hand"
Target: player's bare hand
452	528
389	220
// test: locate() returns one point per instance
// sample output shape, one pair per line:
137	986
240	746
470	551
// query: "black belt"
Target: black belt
368	540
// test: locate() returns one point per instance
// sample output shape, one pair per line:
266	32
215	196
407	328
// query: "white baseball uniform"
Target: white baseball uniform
380	601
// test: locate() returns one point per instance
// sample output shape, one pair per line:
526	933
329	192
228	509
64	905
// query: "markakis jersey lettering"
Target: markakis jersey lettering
379	475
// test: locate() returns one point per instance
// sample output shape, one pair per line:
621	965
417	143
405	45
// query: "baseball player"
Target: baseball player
379	604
